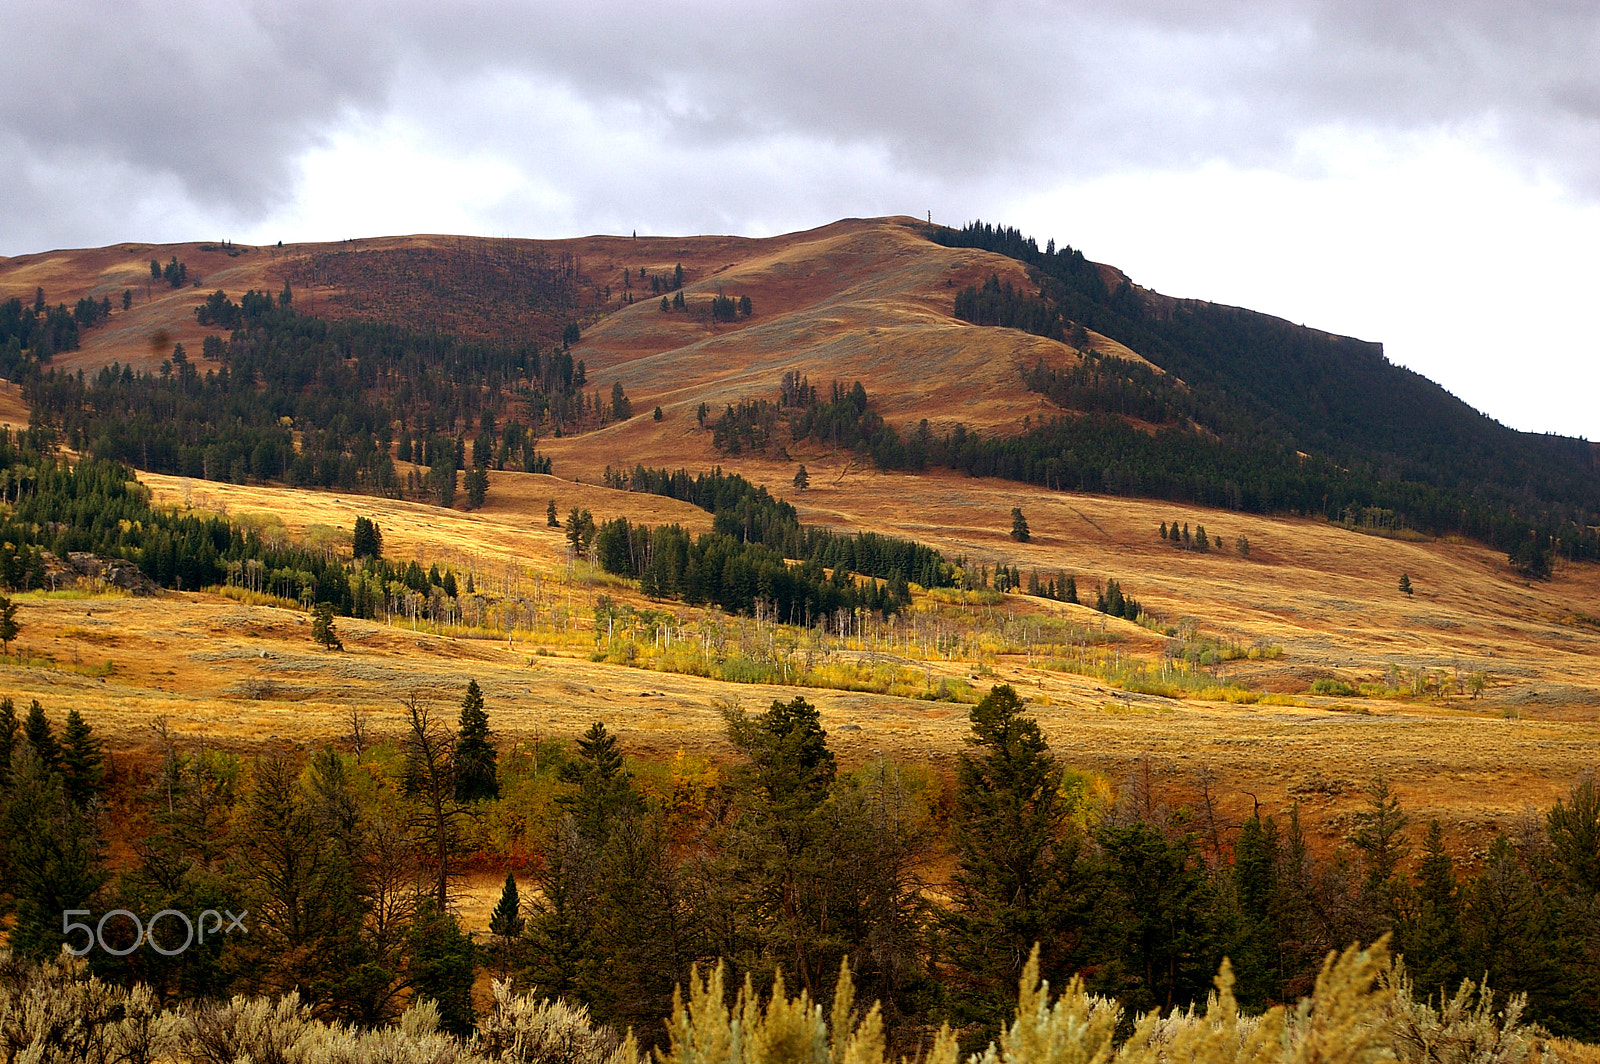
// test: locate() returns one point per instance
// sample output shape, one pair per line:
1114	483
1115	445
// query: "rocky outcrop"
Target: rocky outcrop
96	571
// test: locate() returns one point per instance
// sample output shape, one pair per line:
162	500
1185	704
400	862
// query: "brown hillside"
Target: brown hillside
859	299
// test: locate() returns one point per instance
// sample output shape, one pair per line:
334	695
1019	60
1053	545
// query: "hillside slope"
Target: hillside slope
875	300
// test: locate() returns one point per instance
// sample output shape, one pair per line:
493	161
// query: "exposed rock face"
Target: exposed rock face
91	569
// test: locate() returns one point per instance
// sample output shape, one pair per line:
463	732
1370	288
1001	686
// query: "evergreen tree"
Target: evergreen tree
621	407
10	731
367	539
1405	584
1019	525
1430	934
506	922
559	927
9	626
52	854
1163	530
802	479
550	518
580	530
322	631
1157	926
1258	960
81	759
476	777
477	485
37	730
1380	838
657	414
1016	872
443	965
605	791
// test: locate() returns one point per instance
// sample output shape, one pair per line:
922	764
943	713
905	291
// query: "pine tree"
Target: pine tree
1257	961
1163	530
36	729
367	539
1019	525
506	922
1430	935
10	731
9	626
1379	836
621	407
559	927
82	763
1015	875
1405	584
605	791
477	485
1071	592
802	479
443	965
550	518
52	855
322	631
476	778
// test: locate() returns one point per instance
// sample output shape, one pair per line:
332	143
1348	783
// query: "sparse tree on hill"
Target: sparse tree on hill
366	540
322	627
1019	525
1242	545
802	479
657	414
1405	584
1163	530
10	627
477	485
550	517
580	530
621	407
127	298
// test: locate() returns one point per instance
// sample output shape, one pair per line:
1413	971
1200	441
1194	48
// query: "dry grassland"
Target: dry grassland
247	677
867	300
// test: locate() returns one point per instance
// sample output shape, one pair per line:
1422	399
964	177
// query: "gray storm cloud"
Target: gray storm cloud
171	116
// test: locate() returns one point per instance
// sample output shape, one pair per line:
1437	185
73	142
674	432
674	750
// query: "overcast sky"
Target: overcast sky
1419	172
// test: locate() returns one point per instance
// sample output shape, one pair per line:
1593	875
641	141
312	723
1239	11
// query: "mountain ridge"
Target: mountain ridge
877	300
